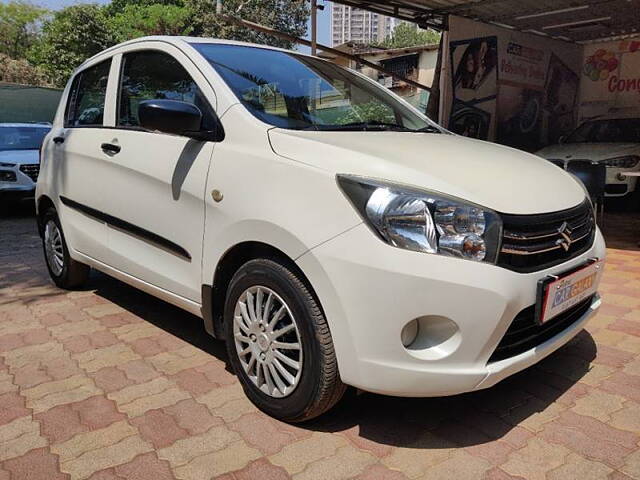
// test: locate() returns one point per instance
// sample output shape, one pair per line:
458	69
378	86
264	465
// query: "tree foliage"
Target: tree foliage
65	39
73	34
138	20
289	16
18	27
372	111
118	6
410	35
20	71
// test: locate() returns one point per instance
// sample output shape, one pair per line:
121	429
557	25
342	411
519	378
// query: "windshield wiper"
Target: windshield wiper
428	129
373	126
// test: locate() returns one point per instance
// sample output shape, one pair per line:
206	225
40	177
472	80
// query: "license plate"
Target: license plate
559	293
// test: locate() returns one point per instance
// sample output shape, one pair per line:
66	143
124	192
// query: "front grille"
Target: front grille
526	333
31	171
536	242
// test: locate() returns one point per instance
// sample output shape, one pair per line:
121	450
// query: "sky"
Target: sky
323	16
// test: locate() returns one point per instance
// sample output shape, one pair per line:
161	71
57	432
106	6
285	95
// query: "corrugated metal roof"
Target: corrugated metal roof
571	20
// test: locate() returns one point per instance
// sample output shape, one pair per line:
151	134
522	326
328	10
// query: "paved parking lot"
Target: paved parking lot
110	383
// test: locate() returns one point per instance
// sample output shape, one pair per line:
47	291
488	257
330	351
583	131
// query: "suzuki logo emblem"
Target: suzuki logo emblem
565	232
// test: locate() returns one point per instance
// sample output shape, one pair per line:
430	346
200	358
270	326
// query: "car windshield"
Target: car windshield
22	138
623	130
299	92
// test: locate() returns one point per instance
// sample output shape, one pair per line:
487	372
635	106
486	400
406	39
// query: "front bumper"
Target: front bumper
370	291
17	193
23	187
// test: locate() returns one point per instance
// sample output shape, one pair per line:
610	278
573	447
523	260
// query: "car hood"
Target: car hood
20	156
589	151
494	176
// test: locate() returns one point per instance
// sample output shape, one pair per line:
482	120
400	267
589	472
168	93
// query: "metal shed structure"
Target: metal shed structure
569	20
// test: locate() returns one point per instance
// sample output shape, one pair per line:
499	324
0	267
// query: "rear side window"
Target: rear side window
85	106
148	75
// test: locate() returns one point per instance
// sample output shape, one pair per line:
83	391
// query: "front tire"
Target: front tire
279	343
65	272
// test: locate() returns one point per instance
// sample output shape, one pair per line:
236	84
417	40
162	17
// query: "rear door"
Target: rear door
157	181
80	170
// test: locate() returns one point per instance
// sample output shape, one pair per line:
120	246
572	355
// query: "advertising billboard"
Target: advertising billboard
515	88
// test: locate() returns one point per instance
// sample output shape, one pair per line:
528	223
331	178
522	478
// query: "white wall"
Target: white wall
427	67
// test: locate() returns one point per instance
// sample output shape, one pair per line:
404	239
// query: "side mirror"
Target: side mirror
171	116
562	139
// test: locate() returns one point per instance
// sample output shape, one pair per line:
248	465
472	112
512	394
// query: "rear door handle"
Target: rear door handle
110	148
58	140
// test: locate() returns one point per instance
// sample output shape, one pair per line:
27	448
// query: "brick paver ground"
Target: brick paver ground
110	383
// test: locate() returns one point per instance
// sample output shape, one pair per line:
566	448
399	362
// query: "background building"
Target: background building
415	63
354	25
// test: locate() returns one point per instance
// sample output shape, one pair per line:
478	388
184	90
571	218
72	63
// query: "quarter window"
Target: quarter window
85	106
150	75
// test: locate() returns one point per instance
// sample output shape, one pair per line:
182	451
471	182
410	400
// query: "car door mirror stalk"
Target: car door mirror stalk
216	135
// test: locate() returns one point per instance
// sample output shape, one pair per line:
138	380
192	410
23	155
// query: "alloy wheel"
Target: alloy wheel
53	247
267	341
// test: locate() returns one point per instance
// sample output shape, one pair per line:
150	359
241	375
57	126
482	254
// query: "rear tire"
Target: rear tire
292	376
65	272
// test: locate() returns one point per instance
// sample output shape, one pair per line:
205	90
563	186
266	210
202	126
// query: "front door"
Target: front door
157	181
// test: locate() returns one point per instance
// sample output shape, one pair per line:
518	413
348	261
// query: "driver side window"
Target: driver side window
150	74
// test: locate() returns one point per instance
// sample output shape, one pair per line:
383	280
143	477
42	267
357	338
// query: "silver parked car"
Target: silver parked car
20	158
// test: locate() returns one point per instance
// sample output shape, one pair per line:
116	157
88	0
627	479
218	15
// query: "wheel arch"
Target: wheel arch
42	205
213	296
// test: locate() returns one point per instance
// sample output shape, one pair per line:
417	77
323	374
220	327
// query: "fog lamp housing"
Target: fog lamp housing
7	176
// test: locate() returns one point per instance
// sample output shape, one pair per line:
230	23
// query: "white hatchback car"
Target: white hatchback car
612	141
328	231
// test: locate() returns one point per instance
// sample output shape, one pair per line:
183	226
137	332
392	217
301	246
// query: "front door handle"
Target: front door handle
110	148
58	140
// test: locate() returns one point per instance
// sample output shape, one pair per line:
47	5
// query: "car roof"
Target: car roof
35	124
181	40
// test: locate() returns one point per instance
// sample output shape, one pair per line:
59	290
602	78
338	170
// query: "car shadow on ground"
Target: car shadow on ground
169	318
468	419
429	423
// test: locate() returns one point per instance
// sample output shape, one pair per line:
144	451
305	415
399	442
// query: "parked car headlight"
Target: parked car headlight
630	161
424	221
7	165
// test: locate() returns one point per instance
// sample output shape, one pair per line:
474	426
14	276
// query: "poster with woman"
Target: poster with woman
474	65
475	76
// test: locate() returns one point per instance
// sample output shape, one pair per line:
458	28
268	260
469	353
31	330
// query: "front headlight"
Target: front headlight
425	221
623	162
